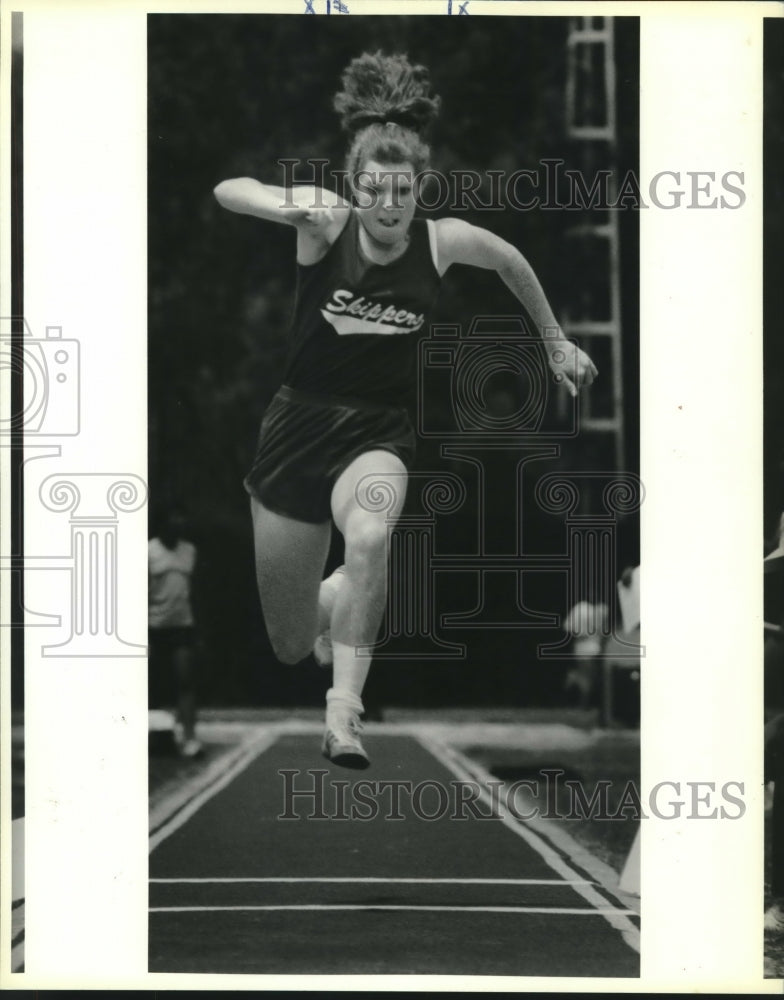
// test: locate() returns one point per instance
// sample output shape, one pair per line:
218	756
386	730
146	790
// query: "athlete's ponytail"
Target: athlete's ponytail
385	106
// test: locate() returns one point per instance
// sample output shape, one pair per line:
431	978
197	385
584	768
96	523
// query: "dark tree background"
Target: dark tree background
231	95
773	263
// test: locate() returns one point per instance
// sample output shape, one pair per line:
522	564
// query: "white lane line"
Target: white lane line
554	834
466	770
17	937
587	911
370	880
224	772
17	957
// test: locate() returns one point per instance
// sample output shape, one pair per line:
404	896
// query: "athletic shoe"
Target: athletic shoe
322	649
341	742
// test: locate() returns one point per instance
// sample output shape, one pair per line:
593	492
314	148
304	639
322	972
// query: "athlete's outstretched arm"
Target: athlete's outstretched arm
461	243
319	215
293	206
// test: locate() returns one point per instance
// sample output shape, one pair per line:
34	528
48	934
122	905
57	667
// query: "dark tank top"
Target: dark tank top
356	323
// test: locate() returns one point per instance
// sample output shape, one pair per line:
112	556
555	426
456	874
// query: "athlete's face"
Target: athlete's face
384	194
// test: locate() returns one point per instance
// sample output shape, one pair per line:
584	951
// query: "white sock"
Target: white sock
344	697
349	668
328	592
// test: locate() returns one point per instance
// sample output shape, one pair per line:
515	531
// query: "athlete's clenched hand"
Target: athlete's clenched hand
571	366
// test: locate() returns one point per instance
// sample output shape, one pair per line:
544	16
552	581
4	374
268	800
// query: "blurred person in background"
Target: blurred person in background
171	562
586	622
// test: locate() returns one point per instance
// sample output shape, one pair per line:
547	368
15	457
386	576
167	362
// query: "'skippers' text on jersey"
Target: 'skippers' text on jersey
354	321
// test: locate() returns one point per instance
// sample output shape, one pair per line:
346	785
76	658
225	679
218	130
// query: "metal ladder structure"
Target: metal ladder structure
593	315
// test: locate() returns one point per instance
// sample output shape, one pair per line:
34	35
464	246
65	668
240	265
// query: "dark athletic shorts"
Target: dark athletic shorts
307	440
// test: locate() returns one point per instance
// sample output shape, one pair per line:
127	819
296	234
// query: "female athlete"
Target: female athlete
367	275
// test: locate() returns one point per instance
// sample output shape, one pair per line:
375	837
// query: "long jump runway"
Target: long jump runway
361	873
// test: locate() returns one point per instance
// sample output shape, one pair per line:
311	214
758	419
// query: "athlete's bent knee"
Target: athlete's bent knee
366	543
